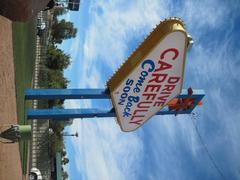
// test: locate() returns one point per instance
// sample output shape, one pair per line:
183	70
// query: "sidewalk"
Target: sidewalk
10	164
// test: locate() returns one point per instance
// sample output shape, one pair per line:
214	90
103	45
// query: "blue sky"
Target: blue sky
166	147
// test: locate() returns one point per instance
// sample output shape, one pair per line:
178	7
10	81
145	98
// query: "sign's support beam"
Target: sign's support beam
63	114
31	94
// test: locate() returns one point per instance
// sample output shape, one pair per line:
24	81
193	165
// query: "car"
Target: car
41	26
35	174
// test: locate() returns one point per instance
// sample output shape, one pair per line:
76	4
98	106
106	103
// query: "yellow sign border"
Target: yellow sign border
157	35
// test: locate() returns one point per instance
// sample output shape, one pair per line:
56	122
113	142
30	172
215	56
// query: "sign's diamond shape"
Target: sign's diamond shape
151	77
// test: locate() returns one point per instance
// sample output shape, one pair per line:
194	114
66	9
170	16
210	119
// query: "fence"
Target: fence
39	148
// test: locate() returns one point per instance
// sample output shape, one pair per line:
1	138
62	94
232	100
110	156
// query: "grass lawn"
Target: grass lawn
24	49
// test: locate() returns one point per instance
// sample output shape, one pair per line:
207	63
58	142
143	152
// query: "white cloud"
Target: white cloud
74	49
206	13
102	147
66	16
114	23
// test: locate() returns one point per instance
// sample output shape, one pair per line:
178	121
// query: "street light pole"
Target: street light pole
66	134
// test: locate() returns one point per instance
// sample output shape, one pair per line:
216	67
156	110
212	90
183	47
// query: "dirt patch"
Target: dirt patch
10	164
21	10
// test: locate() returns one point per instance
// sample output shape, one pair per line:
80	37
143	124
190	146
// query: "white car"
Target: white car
35	174
41	26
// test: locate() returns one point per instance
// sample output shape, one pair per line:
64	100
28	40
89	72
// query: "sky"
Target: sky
166	147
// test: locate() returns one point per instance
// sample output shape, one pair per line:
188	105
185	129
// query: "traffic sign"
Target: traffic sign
152	75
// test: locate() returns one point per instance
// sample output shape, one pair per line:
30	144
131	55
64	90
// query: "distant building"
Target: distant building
72	5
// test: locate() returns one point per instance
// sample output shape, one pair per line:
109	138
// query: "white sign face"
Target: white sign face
152	84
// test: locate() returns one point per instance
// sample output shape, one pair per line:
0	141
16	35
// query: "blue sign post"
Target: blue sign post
59	114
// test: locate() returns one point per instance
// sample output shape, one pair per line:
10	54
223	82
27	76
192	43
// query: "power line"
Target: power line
207	151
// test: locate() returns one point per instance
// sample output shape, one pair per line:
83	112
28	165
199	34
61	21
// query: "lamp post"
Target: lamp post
66	134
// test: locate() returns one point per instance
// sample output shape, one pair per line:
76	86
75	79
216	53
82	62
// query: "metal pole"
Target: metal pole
31	94
66	94
63	114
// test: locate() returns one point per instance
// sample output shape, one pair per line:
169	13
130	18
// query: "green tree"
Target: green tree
57	59
56	142
63	30
64	153
56	79
59	11
65	160
65	175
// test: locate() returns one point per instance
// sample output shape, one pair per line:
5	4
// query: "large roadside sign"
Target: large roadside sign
151	76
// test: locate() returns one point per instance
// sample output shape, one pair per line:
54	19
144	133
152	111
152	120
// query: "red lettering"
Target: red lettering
144	106
168	87
163	98
163	66
165	92
173	80
139	110
137	116
152	96
153	87
158	103
158	78
175	51
138	122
